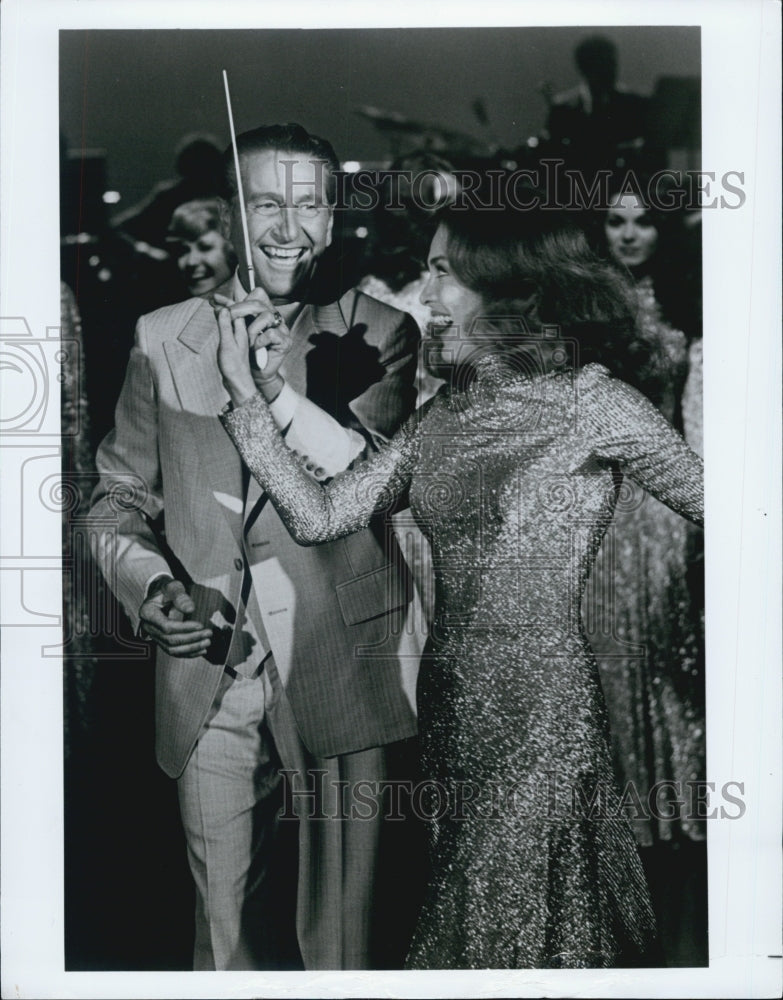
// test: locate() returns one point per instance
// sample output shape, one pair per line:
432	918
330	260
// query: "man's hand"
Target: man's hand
240	338
164	620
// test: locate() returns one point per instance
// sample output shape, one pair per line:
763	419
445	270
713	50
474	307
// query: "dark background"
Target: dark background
135	93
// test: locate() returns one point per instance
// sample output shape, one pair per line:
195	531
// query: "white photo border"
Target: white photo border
742	265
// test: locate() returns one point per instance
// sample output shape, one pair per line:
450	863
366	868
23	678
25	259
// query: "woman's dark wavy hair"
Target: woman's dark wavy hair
540	262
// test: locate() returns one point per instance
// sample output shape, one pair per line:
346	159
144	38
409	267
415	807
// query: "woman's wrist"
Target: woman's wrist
240	392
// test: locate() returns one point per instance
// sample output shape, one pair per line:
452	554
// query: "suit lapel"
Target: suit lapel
310	321
294	366
294	371
202	396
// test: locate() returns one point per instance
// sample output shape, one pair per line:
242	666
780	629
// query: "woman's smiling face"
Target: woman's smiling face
451	336
631	234
203	262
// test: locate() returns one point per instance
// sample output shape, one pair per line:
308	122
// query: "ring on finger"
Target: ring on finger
277	319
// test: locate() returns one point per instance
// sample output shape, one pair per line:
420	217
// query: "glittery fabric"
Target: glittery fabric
513	480
79	660
643	611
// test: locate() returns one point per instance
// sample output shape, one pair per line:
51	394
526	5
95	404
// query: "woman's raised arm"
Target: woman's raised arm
313	512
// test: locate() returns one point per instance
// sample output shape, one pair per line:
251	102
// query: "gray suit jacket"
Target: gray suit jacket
332	614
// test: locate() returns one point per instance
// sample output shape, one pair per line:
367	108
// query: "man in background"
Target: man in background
599	121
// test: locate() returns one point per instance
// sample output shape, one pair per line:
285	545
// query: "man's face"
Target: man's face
289	222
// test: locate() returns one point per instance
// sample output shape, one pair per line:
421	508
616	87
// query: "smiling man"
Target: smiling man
289	213
271	657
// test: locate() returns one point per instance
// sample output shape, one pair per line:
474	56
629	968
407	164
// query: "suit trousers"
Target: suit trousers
268	852
361	857
230	796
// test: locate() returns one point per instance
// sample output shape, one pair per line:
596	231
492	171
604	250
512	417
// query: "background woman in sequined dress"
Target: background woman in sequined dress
644	604
512	473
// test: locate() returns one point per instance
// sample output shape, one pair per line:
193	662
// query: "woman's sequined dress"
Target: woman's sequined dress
513	480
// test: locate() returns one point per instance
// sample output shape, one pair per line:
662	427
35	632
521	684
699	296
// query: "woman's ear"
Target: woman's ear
526	305
514	317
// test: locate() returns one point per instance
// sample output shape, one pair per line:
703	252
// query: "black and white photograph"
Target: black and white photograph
391	532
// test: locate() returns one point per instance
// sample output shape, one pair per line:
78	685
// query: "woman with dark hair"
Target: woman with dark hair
512	472
417	186
661	251
644	604
402	230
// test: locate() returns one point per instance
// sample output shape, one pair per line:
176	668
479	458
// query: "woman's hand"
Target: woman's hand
233	357
245	327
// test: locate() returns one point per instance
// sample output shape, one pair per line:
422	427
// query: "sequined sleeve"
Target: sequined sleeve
313	512
627	430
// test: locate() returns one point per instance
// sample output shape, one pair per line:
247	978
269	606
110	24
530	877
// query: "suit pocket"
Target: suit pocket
374	594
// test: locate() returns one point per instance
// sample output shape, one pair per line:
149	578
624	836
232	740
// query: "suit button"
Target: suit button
238	564
320	472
